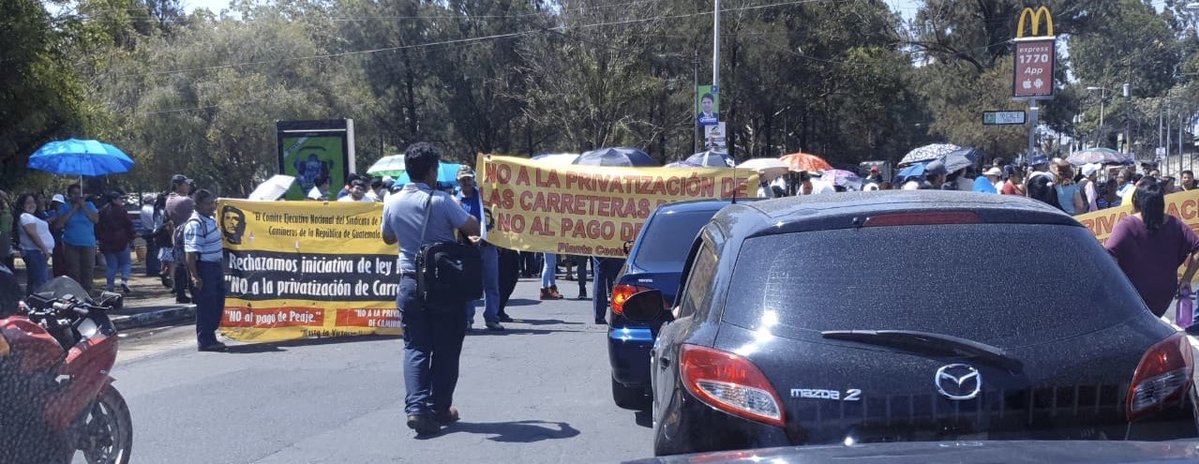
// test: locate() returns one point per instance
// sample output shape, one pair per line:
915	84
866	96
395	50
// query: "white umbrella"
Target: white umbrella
388	166
768	168
928	152
273	188
556	158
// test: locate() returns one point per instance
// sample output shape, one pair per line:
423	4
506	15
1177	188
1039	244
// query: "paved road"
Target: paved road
539	392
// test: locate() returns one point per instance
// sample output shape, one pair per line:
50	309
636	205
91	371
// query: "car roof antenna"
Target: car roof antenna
735	187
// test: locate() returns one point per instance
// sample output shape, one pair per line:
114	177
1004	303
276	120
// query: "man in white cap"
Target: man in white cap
1090	194
987	183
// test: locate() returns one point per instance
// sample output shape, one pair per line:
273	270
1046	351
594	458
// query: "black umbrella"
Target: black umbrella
957	160
712	159
618	156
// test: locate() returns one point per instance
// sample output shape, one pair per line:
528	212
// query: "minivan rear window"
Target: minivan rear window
1010	285
667	239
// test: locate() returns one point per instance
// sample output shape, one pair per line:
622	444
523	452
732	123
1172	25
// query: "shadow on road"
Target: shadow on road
545	322
522	302
509	330
271	347
528	431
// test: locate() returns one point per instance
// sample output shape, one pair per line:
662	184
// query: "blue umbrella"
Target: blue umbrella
683	164
712	159
80	158
447	173
619	156
915	170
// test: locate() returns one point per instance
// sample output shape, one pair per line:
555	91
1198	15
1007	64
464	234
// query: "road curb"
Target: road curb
160	316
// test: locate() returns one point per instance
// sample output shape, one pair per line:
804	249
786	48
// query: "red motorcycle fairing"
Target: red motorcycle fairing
87	365
38	350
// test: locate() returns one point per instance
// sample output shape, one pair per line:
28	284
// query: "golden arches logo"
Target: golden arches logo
1036	16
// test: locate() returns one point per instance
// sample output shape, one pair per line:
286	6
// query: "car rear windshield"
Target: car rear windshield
668	237
1009	285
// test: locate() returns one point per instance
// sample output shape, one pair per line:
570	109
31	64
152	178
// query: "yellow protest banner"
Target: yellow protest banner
301	269
1182	205
589	210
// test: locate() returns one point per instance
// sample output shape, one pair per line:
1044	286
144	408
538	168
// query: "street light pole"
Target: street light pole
716	46
1102	101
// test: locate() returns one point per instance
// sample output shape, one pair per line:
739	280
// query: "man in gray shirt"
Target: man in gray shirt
432	336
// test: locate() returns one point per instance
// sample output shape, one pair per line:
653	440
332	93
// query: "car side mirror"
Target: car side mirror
647	306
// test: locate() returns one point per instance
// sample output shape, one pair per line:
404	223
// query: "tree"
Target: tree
41	97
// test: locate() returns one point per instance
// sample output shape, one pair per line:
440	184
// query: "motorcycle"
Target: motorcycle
56	395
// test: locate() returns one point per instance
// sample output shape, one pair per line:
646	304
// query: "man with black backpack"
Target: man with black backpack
424	221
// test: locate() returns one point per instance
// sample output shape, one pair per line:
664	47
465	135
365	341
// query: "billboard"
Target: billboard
707	106
1032	74
312	150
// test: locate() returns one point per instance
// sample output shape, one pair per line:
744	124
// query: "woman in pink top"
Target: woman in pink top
1150	246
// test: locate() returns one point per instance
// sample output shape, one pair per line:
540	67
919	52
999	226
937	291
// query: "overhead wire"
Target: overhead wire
472	39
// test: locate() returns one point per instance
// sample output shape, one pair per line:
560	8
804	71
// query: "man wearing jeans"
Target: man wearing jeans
77	220
472	200
432	335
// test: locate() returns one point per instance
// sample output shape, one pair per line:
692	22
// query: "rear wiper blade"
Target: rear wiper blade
930	343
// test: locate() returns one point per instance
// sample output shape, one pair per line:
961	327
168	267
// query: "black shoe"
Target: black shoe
166	281
582	295
505	318
494	326
601	322
423	424
447	417
183	300
214	346
125	289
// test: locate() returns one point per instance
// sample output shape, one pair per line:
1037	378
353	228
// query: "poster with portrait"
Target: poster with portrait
707	106
315	151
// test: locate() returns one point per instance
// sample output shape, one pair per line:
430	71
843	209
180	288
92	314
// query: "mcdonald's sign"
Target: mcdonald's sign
1036	55
1038	15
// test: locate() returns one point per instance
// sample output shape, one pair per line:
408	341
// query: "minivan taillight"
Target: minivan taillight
730	383
621	293
1163	375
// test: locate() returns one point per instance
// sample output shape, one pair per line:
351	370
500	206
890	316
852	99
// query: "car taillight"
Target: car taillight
922	218
1163	375
730	383
621	293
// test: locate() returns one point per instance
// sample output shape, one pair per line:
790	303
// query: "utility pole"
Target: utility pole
716	47
1127	123
695	87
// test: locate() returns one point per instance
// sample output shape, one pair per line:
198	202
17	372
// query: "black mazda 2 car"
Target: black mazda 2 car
904	316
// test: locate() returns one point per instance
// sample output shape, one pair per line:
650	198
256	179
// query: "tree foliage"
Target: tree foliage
200	92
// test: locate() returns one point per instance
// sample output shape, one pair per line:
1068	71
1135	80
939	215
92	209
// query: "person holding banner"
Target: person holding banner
471	198
432	335
604	272
1150	245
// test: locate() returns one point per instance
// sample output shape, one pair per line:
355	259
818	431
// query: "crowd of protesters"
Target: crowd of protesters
1072	189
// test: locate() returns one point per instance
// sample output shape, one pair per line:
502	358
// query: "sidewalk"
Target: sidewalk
149	302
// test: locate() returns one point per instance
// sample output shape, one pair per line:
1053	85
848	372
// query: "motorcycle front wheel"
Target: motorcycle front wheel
105	433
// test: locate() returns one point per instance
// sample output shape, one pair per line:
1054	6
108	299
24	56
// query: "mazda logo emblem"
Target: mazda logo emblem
958	382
